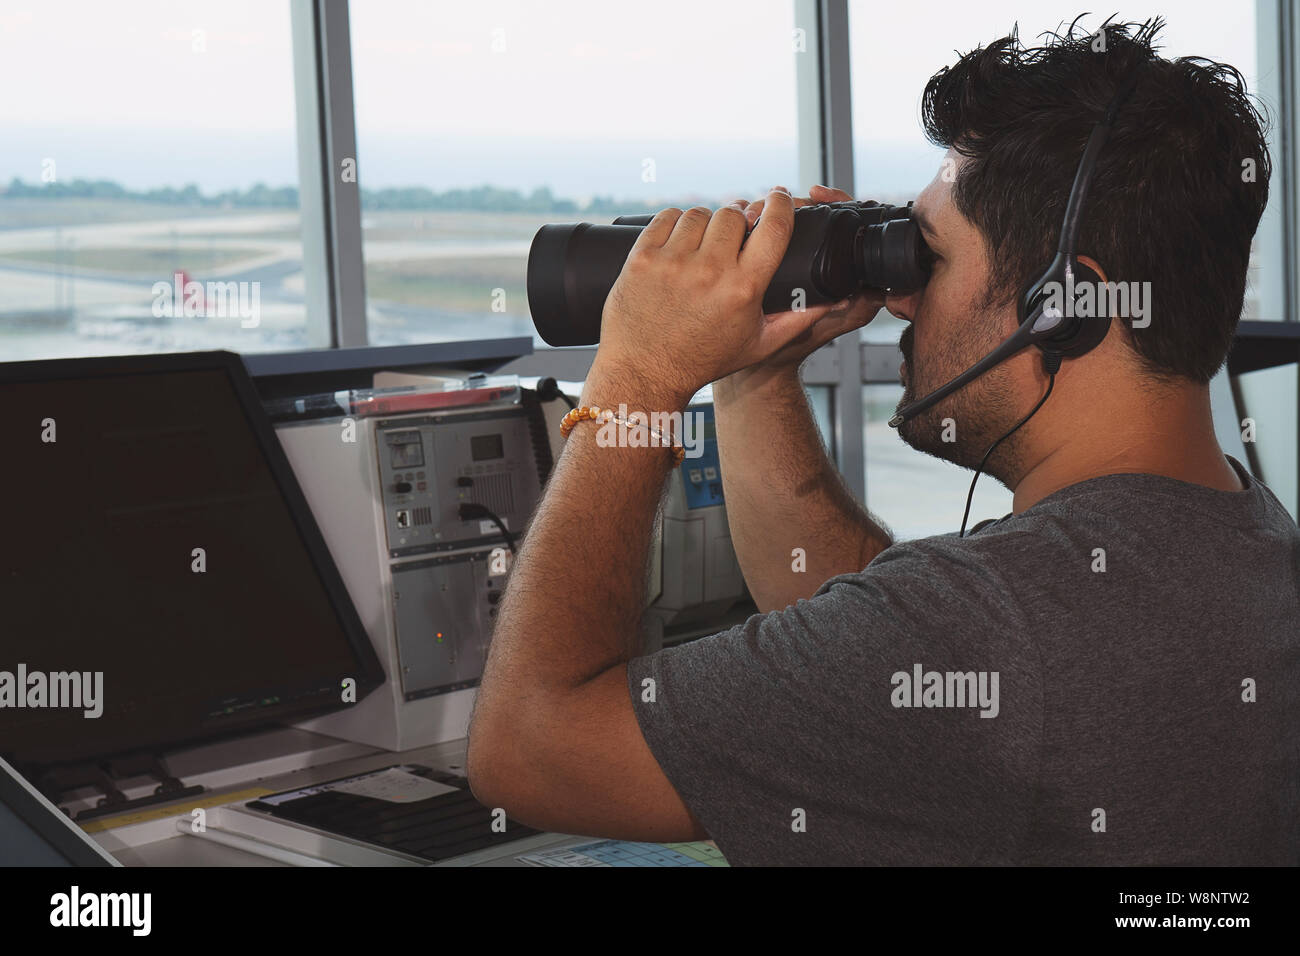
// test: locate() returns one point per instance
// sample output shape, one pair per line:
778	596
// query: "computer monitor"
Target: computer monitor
162	579
34	832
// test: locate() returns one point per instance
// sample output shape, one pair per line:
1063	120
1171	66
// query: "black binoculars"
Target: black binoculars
835	249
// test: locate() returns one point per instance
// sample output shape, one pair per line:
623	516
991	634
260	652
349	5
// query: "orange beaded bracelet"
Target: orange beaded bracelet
596	413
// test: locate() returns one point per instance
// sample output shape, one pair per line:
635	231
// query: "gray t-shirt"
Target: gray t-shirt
1145	636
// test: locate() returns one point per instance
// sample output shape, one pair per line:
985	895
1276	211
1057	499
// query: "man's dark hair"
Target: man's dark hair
1170	201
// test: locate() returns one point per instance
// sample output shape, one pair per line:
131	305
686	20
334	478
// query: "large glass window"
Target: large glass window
148	180
1268	398
478	123
892	159
893	162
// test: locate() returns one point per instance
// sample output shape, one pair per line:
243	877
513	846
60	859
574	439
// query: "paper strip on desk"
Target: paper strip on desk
394	785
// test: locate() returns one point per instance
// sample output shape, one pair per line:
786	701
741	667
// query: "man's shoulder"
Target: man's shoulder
948	585
989	547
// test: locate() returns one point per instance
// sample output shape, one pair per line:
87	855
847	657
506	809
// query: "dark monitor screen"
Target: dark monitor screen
160	564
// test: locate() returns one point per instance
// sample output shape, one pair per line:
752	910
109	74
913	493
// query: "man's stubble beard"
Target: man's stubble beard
981	411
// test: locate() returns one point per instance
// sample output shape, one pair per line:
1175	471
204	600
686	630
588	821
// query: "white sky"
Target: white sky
911	41
118	89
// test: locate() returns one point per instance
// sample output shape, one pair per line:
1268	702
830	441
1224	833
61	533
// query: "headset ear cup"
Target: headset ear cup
1086	332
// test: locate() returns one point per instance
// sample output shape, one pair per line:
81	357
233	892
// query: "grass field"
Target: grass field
275	235
420	225
131	260
459	284
47	213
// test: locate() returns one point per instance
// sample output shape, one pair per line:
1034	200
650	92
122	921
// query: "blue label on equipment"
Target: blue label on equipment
702	476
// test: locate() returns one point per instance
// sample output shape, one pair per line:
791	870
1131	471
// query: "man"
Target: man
1108	675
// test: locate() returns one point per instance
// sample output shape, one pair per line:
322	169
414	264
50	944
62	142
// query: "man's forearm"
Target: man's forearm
793	522
577	588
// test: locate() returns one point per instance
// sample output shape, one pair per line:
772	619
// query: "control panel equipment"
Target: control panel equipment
423	496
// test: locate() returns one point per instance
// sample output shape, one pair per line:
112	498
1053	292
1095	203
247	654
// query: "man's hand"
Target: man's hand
829	321
781	487
687	307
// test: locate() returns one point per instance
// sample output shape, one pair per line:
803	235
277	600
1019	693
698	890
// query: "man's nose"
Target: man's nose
903	306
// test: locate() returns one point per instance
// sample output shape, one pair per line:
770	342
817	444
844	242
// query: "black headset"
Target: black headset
1057	336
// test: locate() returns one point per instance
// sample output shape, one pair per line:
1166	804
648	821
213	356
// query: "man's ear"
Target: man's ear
1091	263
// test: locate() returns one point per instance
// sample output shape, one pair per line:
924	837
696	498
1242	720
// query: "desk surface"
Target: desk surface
165	834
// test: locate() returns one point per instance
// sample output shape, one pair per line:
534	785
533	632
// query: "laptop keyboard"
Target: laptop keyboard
436	828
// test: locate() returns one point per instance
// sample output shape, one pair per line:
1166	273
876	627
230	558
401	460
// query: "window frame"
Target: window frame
331	208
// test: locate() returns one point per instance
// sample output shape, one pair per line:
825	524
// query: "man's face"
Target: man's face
951	328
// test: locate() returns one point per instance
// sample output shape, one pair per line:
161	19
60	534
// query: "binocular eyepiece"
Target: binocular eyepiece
835	249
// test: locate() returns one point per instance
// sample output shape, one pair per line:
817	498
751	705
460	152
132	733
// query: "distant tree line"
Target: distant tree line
259	196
